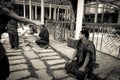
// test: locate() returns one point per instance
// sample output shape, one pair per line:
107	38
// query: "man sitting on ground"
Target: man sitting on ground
43	40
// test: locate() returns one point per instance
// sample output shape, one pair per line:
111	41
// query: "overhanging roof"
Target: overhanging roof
114	2
110	0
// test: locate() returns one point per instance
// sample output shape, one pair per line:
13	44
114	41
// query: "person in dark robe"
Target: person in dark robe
43	40
84	56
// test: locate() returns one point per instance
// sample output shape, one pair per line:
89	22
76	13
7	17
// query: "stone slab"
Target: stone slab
51	57
9	50
57	66
18	67
30	79
15	57
37	49
17	61
38	64
27	48
46	51
14	54
53	62
30	54
43	75
59	74
48	54
18	75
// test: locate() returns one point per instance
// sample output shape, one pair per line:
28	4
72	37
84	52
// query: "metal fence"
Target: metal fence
106	37
61	30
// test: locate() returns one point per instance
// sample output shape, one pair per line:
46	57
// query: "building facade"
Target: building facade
32	9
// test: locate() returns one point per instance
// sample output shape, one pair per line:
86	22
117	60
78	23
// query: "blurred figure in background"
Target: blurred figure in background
43	40
13	34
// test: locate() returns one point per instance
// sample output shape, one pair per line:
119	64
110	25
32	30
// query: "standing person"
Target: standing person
13	34
5	15
43	40
83	58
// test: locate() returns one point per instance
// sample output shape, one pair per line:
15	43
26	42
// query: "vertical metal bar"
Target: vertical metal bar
93	33
67	30
97	36
102	38
102	18
64	30
54	30
119	52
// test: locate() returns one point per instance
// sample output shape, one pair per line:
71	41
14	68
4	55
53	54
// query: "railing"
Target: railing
60	29
106	37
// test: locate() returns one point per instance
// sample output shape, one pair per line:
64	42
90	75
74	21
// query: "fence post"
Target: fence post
119	52
102	38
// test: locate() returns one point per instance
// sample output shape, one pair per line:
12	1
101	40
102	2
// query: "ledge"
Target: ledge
72	42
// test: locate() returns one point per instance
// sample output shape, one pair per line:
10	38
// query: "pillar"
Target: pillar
96	12
32	13
30	9
42	11
24	10
65	15
58	13
102	17
50	11
79	17
35	12
54	14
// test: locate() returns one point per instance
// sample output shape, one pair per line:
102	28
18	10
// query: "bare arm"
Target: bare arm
87	59
14	16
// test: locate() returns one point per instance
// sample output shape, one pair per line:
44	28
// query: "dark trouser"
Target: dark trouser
73	68
14	40
4	64
81	75
41	42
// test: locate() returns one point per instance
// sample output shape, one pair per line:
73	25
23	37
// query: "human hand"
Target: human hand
82	69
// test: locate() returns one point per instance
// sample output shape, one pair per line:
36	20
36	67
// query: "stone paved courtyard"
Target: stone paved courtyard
31	62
